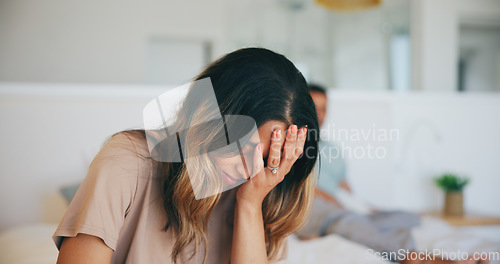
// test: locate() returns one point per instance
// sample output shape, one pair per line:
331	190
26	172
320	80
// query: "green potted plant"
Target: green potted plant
453	186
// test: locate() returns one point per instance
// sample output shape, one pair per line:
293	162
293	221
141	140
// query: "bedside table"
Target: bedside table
469	219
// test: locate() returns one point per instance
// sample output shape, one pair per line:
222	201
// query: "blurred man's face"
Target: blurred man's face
320	101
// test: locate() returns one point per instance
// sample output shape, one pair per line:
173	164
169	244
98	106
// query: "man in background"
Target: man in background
334	166
385	232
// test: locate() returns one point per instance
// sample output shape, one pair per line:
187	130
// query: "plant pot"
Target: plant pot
454	204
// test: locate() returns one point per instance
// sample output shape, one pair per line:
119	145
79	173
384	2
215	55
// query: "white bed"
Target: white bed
32	244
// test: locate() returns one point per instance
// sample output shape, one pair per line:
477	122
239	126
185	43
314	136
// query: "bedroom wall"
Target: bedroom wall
437	133
98	41
51	132
102	42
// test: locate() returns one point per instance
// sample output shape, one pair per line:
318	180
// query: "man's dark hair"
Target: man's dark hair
316	88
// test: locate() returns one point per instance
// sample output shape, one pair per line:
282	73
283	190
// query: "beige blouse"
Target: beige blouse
119	201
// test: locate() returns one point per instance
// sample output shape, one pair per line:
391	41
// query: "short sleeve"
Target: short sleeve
106	194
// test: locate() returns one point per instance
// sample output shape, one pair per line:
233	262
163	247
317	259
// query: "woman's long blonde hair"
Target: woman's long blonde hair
263	85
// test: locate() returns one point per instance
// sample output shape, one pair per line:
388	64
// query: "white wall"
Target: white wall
98	41
50	134
110	42
437	133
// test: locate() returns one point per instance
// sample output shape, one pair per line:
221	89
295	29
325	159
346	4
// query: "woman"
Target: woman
132	208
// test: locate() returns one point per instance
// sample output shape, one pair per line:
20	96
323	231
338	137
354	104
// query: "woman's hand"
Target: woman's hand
253	192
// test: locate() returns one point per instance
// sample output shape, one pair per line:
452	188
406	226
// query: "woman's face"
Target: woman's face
231	168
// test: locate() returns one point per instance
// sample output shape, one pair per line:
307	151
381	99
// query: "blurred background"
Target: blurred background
74	72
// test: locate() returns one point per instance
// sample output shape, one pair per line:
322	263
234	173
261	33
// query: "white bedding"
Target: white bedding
436	234
430	235
328	249
32	244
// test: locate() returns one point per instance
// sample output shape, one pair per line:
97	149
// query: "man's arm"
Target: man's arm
344	185
327	197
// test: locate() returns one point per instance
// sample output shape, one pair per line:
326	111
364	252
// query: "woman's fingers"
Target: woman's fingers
274	157
294	146
301	140
258	161
255	190
289	148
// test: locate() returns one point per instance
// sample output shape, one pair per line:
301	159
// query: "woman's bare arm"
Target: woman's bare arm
249	244
84	249
248	232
